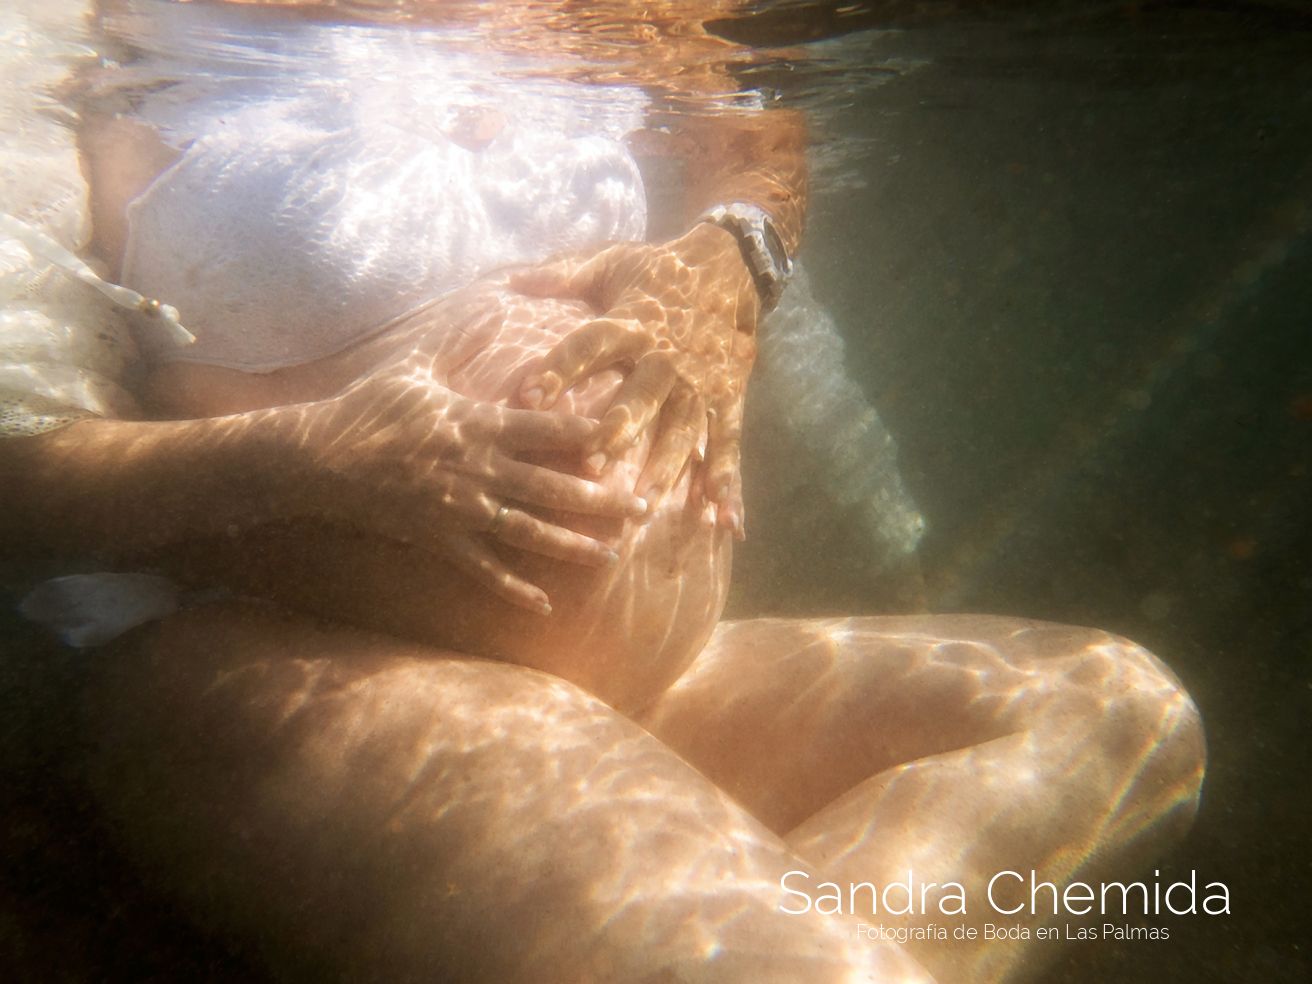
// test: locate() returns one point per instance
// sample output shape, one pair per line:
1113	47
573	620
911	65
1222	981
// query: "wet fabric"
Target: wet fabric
310	209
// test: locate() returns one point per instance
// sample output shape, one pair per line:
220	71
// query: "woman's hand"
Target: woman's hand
396	455
683	314
400	455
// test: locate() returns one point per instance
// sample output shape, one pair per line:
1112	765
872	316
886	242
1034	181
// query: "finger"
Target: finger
572	277
535	485
698	504
587	350
636	405
519	529
553	279
682	424
723	464
731	514
484	567
462	550
534	430
569	277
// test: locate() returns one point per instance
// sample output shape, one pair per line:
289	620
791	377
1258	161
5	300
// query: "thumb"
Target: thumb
568	278
547	280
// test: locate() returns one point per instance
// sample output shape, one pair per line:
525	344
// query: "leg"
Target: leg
400	813
953	746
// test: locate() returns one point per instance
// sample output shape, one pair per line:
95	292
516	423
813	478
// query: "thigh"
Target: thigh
787	715
400	812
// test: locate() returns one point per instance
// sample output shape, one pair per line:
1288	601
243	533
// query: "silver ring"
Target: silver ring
497	520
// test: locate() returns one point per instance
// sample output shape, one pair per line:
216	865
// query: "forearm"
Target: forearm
757	158
730	154
111	489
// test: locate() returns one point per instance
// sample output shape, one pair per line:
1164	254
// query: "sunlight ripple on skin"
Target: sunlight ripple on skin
508	738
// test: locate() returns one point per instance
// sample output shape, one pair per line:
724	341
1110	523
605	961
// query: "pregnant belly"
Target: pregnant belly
623	632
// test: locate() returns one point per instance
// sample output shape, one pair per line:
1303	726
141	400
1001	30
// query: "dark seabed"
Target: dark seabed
1070	250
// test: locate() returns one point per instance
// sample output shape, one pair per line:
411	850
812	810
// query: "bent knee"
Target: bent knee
1138	721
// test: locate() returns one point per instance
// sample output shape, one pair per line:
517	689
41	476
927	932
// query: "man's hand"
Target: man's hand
401	456
683	315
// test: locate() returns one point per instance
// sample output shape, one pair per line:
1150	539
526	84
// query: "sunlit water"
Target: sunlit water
1062	251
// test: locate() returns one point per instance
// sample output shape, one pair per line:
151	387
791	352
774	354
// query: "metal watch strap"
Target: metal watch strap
762	247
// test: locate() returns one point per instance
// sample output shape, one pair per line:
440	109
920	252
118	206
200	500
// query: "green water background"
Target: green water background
1077	283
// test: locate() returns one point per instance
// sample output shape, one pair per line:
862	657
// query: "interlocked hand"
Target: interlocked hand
402	456
683	315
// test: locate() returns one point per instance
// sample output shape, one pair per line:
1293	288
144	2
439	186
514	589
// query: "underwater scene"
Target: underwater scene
694	490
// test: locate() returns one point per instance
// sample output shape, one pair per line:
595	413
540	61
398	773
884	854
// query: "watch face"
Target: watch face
775	245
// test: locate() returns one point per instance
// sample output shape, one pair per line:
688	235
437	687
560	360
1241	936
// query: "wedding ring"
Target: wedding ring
497	520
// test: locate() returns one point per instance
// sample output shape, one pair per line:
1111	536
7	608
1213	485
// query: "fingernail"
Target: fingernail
639	506
596	462
728	519
721	491
612	558
544	608
533	397
549	384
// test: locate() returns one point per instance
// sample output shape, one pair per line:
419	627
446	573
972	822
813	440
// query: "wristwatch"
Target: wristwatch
762	247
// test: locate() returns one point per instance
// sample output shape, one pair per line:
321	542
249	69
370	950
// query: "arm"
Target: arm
396	456
111	488
758	158
684	312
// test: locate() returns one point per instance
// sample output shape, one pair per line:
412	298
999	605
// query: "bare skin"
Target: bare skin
358	807
654	588
330	775
777	746
282	773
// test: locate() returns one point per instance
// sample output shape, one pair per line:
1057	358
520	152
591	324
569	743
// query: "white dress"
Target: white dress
323	189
